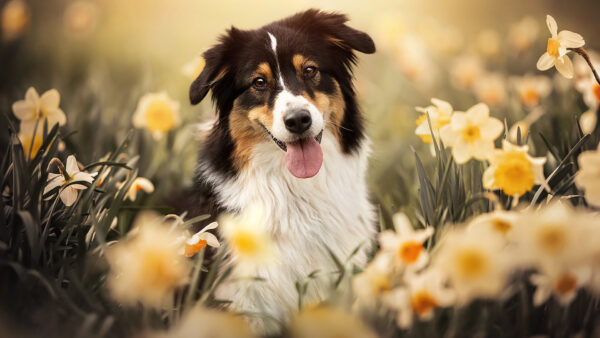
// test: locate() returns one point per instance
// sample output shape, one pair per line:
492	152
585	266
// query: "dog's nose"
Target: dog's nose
297	121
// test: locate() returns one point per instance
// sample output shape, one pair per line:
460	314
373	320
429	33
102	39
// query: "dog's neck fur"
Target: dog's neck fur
305	218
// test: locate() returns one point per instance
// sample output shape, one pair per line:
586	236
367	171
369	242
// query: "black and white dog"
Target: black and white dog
289	135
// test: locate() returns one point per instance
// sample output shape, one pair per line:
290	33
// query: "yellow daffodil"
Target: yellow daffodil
146	267
200	240
513	171
14	18
34	109
68	193
139	184
560	283
423	294
465	70
588	177
557	49
31	142
532	89
157	113
439	114
491	89
405	245
471	133
523	34
327	322
193	68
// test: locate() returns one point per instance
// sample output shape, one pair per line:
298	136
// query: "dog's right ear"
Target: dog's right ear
216	65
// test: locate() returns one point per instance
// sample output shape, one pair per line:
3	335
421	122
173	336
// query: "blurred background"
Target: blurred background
103	56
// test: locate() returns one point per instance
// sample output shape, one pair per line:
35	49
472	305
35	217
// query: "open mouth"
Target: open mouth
303	157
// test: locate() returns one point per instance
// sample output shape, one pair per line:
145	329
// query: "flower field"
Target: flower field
485	172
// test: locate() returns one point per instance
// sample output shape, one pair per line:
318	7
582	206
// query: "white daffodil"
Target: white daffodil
68	193
34	109
560	283
472	133
439	114
374	282
405	245
491	89
532	89
157	113
200	240
557	49
498	222
588	177
423	294
139	184
513	171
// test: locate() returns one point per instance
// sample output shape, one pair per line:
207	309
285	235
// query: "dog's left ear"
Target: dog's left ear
332	27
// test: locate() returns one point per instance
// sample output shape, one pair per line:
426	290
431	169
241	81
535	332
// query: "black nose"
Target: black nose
297	121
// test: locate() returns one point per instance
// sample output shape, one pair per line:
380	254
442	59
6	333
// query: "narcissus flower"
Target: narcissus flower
588	177
471	133
193	68
157	113
34	109
563	284
200	240
15	17
31	142
498	222
532	89
557	49
588	121
139	184
68	192
405	245
513	171
326	322
439	114
374	282
491	89
589	87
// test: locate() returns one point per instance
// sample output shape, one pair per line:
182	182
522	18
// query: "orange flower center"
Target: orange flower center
410	251
471	134
160	117
551	239
553	46
191	250
530	97
514	174
422	303
501	226
565	284
596	91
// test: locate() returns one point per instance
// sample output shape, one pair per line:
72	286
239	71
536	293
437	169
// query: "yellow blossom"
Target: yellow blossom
532	89
557	49
157	113
31	142
588	177
34	109
471	133
14	18
439	114
513	171
405	245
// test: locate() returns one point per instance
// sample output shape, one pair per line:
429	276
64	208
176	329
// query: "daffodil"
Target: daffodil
422	295
439	114
588	121
67	180
405	245
465	70
499	222
200	240
523	33
374	282
146	266
139	184
193	68
491	89
15	18
557	49
34	109
327	322
513	171
589	87
31	142
563	284
532	89
471	133
588	177
157	113
202	322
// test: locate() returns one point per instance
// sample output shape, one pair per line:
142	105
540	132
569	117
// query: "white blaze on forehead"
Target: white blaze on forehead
274	48
273	42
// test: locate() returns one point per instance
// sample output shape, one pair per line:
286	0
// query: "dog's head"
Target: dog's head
284	83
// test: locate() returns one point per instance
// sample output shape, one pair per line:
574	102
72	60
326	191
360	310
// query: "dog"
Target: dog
288	135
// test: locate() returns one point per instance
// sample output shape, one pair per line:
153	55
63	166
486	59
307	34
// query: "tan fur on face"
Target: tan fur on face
332	107
246	133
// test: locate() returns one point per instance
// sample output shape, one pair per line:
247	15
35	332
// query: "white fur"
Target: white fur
304	217
285	102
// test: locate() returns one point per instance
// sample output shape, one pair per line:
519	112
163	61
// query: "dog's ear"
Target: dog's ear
216	67
332	27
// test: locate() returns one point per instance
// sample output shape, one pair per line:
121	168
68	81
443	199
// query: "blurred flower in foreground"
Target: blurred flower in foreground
589	87
248	239
68	193
563	284
439	114
328	322
471	133
473	263
405	245
34	109
200	240
424	293
499	222
146	267
157	113
491	89
465	70
374	282
193	68
31	143
523	126
138	184
523	33
588	121
532	89
80	18
488	43
206	323
588	177
513	171
15	17
558	47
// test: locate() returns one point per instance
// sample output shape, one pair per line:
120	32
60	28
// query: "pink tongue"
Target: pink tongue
304	158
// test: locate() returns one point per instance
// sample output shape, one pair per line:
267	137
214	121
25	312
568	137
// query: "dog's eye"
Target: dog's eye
309	71
259	83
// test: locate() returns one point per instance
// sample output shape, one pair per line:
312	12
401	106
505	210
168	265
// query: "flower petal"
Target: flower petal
570	39
488	178
72	167
564	67
50	99
57	116
210	239
24	109
461	152
442	105
144	184
54	180
68	195
545	62
479	113
491	129
552	26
